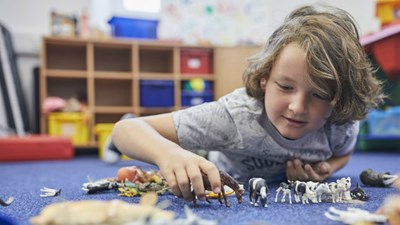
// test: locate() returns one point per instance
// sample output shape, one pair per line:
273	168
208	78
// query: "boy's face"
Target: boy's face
292	105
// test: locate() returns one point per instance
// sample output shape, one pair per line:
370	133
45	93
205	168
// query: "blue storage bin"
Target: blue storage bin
156	93
382	123
133	28
191	98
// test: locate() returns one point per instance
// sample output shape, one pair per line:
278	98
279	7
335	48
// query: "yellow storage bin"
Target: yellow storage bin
69	124
103	131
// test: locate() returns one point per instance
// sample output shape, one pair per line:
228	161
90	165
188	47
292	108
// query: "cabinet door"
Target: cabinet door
229	64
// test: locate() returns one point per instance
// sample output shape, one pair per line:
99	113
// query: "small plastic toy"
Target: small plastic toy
100	185
354	215
286	189
371	178
49	192
258	188
7	202
320	189
358	193
305	191
227	180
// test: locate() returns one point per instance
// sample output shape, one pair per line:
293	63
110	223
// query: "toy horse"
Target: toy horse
258	188
227	180
286	190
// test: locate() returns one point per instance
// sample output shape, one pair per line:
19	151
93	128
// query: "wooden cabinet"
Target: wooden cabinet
108	74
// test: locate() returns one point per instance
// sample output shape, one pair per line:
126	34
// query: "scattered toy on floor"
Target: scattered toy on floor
100	186
50	192
114	212
320	189
7	202
354	215
286	189
371	178
227	180
391	209
258	188
359	194
302	189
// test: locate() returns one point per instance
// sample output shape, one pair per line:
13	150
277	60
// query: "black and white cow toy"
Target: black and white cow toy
258	188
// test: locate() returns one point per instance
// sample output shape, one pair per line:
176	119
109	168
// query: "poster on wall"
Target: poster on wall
220	23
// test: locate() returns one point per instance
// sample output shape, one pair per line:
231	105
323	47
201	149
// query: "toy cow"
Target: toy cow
258	188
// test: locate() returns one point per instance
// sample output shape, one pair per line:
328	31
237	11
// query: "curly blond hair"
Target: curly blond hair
338	66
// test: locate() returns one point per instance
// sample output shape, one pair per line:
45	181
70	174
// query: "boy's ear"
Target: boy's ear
263	83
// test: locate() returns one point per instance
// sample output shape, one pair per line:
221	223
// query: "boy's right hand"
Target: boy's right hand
183	169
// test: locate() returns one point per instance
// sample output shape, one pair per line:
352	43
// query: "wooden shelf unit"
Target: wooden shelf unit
107	74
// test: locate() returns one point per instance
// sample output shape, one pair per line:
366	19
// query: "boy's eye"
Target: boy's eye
283	87
320	96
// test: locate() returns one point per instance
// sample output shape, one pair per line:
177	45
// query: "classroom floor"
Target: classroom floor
23	181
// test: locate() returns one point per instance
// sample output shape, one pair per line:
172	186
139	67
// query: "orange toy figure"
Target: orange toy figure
127	173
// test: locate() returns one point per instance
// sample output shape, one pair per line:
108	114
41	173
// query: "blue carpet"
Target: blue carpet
23	181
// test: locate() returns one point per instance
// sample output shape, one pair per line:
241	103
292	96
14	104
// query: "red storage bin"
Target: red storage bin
196	61
385	48
35	148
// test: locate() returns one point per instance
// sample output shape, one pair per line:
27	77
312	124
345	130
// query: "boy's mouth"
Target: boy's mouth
295	122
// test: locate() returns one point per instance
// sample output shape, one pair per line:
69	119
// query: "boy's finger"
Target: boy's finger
312	175
172	183
212	173
196	180
183	183
301	174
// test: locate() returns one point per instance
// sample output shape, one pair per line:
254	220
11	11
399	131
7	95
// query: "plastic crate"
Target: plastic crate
133	28
384	123
103	132
73	125
192	98
196	61
156	93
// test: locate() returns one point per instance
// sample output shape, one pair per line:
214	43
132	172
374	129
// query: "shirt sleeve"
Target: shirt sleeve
207	127
344	138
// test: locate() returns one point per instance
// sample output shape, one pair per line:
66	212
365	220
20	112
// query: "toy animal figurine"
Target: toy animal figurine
359	194
354	216
320	189
258	188
303	190
99	186
7	202
227	180
371	178
286	190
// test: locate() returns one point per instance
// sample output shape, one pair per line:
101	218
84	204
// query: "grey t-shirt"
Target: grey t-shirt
248	144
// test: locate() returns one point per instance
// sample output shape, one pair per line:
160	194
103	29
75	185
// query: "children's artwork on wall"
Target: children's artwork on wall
221	23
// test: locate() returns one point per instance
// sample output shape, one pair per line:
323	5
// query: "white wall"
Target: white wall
29	20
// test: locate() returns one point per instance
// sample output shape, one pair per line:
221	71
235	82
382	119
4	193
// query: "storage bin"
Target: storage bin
386	52
103	132
73	125
191	98
133	27
196	61
384	123
156	93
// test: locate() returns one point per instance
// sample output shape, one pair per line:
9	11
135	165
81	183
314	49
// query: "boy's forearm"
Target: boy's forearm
338	162
137	139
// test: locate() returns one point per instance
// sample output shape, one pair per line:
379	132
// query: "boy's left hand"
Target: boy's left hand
297	171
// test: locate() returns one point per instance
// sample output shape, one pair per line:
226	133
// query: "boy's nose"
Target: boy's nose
298	104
